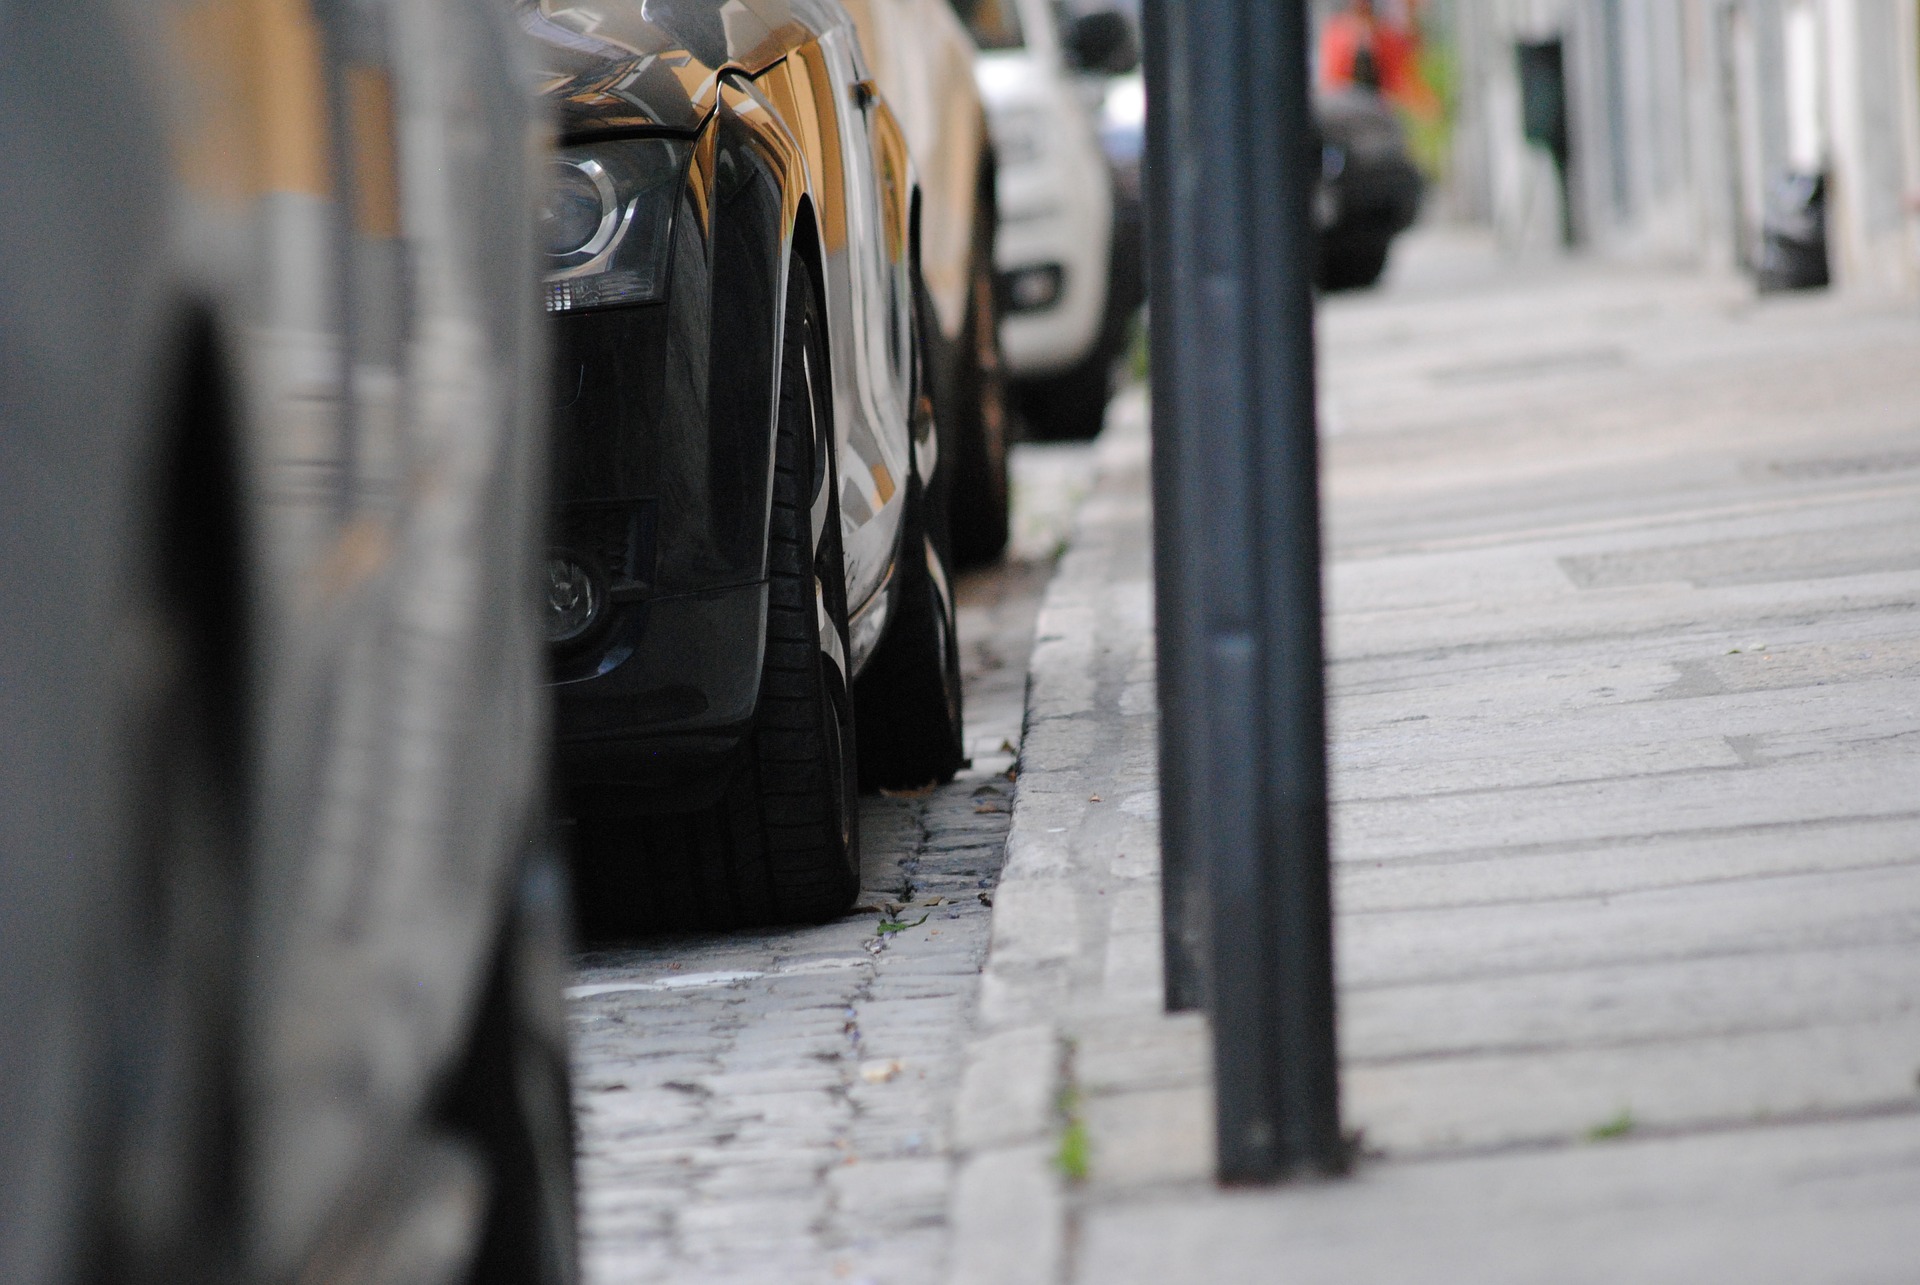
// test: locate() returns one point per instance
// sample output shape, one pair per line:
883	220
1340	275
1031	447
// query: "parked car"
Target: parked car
1055	200
749	558
922	61
280	940
1370	189
1119	102
1123	136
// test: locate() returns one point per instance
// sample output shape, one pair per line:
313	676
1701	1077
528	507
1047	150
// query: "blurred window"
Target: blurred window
995	23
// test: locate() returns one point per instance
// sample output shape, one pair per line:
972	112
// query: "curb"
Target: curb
1008	1214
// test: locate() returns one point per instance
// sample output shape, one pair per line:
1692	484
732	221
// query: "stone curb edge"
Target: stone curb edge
1008	1210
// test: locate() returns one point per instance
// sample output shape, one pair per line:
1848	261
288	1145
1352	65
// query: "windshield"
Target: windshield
995	24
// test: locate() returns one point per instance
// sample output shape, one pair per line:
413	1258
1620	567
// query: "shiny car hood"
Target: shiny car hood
624	64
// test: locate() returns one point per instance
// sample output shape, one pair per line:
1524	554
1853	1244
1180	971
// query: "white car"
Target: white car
1055	196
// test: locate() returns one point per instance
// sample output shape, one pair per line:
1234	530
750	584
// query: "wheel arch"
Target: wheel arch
179	681
987	185
197	517
804	244
803	239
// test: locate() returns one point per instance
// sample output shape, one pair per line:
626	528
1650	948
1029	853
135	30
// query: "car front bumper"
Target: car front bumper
649	718
664	501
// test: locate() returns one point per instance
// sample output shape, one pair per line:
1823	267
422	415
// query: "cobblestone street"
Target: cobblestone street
774	1106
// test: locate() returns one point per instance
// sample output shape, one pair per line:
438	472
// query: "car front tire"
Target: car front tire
782	842
514	1095
980	498
1070	406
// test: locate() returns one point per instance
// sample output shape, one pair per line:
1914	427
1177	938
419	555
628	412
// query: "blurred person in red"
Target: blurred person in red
1377	46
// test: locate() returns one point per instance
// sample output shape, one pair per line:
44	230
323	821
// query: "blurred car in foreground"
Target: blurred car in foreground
1056	202
750	540
1370	189
922	60
280	947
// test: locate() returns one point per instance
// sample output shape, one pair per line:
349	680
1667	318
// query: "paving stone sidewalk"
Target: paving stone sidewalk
1624	589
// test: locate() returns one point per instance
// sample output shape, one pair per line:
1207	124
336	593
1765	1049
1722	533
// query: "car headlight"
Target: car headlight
607	220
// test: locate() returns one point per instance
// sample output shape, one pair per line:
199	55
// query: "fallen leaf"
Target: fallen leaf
1008	747
986	899
912	792
879	1072
934	901
1093	798
890	926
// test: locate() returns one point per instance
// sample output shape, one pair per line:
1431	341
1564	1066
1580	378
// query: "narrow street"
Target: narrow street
773	1106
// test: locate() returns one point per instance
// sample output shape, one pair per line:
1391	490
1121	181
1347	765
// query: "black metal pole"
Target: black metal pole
1231	175
1178	479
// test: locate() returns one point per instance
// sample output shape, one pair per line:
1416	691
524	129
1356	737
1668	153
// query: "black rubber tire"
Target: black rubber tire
1070	406
173	1180
514	1095
782	843
908	700
1353	262
975	419
171	1199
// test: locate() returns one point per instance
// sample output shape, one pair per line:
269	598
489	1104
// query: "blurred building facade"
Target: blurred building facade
1690	126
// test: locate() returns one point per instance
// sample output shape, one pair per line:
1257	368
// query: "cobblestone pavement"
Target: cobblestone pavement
773	1106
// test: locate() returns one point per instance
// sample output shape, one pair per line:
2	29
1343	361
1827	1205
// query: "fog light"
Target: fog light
574	597
1031	289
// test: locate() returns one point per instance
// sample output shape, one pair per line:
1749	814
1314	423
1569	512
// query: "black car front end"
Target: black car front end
656	584
1370	189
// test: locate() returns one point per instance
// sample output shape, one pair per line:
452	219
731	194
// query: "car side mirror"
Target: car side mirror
1102	42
